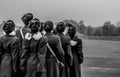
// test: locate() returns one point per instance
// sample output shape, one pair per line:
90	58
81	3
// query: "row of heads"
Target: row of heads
35	25
9	25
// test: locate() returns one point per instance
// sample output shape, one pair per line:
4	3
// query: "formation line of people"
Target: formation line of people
37	50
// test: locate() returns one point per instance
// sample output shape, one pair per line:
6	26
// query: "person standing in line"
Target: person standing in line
55	46
34	52
65	41
76	47
9	50
41	28
20	33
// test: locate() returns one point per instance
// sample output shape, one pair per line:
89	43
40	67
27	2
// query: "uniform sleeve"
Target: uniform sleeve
24	55
69	53
80	53
42	50
1	51
15	54
60	51
17	33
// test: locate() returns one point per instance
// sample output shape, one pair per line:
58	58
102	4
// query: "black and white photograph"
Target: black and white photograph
59	38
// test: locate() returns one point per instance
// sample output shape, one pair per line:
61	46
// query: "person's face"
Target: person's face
71	31
34	27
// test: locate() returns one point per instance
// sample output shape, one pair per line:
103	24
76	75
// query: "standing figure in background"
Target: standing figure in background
9	51
34	52
76	47
41	28
65	41
20	33
55	45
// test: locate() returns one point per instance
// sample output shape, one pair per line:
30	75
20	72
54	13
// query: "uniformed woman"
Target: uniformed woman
9	50
55	52
65	41
76	47
34	52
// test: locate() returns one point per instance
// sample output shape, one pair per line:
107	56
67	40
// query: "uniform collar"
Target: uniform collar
11	34
60	34
48	34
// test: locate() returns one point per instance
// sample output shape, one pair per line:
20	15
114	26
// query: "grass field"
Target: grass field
102	58
112	38
101	48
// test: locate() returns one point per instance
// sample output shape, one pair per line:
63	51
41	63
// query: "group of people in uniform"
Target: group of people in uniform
40	51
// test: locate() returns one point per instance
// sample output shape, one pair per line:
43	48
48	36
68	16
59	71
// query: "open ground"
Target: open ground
102	58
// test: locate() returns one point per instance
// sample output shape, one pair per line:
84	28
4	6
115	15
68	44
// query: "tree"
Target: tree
98	31
106	28
89	30
112	30
82	27
118	31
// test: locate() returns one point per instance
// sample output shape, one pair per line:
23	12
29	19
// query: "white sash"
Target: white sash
21	32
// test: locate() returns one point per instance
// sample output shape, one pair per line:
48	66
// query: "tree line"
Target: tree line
107	29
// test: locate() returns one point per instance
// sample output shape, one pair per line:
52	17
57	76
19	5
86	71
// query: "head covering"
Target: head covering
26	18
68	25
8	26
48	26
72	31
37	21
34	26
60	27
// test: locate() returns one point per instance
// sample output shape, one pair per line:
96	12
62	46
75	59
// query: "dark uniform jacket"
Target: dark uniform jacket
18	34
65	41
33	57
75	69
52	65
9	50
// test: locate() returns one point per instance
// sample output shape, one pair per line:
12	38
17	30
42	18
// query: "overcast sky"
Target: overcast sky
93	12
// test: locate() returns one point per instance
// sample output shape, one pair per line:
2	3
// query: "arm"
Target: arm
15	55
79	49
69	53
24	55
17	33
42	50
60	51
1	51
